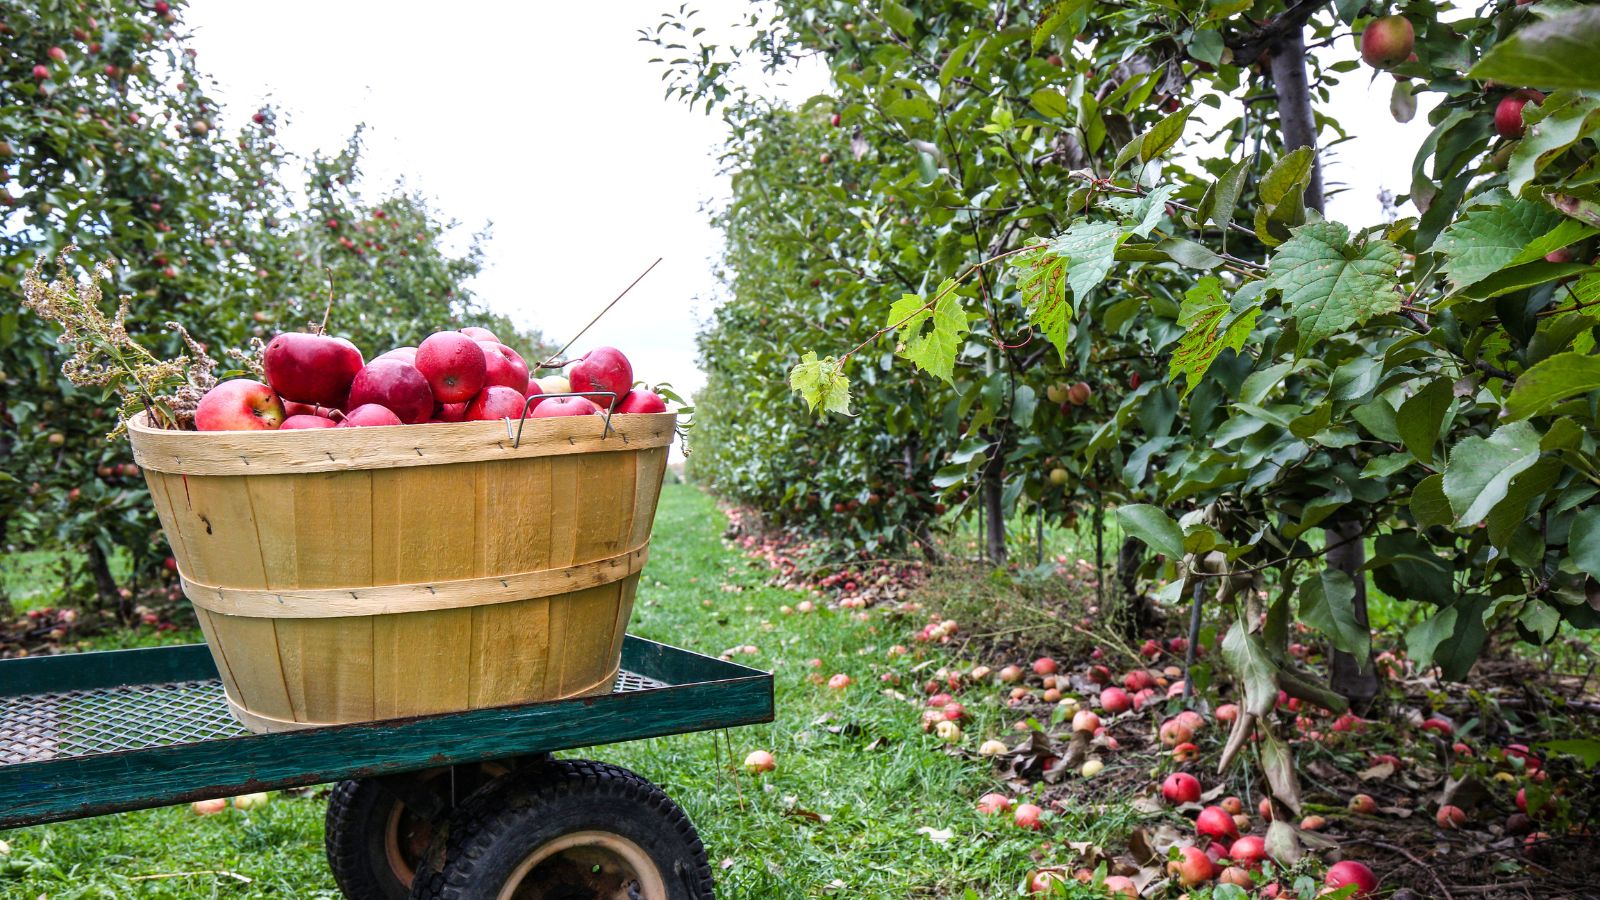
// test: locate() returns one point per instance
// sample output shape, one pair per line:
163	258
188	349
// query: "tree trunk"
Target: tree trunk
1133	614
993	508
1356	680
105	585
1295	117
1300	130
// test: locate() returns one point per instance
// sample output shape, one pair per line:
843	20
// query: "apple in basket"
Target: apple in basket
395	386
564	406
602	369
640	400
239	405
311	368
454	365
504	366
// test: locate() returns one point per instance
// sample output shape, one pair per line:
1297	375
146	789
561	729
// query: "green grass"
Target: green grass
857	759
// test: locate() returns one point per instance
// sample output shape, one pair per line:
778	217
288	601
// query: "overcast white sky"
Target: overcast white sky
547	119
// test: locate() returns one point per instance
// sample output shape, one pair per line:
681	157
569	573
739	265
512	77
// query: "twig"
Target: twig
327	311
1443	891
243	879
568	345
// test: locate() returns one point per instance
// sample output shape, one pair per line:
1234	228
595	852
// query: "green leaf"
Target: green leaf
1287	177
1330	284
1189	254
1429	506
1225	193
1050	103
1480	470
1552	381
1327	603
1541	620
1424	638
1584	541
1042	278
822	383
1247	656
1563	120
1153	526
1556	53
1054	18
1491	236
1158	140
930	338
1090	249
1585	749
1421	417
1145	211
1210	330
899	18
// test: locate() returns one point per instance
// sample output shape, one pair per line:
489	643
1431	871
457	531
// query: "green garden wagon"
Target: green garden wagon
466	805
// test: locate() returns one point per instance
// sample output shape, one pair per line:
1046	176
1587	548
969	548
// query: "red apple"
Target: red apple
1044	665
1248	851
602	369
640	400
302	422
480	334
1450	817
454	365
1120	886
1387	41
1352	872
1138	680
239	405
1439	725
1508	114
368	415
1363	804
1215	822
564	406
1115	700
291	408
1181	787
1027	816
993	804
1173	733
1044	880
501	368
407	355
311	368
396	386
496	402
759	760
1193	867
450	412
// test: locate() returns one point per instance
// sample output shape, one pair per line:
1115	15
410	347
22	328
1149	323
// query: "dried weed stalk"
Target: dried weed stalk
105	356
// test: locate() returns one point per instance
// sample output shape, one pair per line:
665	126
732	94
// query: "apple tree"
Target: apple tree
1142	183
109	141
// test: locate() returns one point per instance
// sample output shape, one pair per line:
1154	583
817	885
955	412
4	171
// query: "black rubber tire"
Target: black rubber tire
361	812
491	835
356	842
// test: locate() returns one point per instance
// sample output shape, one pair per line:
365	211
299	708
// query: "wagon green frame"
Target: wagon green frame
664	690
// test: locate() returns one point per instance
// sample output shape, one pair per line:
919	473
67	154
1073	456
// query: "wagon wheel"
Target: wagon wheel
378	828
569	830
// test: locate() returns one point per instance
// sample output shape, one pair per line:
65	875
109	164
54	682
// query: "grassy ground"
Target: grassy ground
855	759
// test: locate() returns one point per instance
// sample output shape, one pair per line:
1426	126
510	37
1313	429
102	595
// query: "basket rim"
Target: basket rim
272	452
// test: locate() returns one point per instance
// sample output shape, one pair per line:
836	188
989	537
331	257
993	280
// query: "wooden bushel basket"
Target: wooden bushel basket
353	574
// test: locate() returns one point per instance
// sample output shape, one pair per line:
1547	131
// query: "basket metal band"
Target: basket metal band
329	603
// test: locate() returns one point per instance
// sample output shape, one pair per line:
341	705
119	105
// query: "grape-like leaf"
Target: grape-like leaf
822	383
1090	249
1211	329
1042	279
1330	284
930	336
1491	236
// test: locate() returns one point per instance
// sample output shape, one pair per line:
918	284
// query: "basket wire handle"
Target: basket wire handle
528	402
